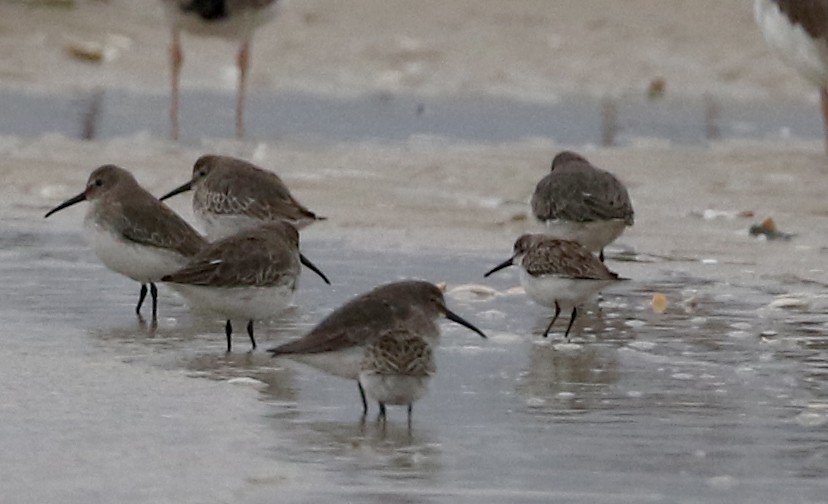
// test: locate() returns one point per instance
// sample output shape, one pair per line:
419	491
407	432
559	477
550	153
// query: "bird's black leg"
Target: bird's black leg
250	333
557	312
381	415
154	294
364	400
410	409
228	330
141	297
571	321
601	255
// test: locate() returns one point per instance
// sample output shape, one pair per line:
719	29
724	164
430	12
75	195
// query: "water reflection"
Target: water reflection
712	400
567	377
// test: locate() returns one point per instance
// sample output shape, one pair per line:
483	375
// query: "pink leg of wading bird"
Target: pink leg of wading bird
176	60
823	94
243	61
233	20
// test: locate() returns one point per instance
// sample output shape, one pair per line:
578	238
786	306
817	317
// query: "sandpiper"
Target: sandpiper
132	232
383	339
230	19
556	273
251	275
798	31
232	194
580	202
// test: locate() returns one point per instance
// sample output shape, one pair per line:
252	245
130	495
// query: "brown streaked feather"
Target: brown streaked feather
550	256
367	318
260	257
400	352
145	220
577	191
138	216
236	186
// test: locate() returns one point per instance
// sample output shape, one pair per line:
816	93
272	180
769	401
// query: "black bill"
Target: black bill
304	260
71	201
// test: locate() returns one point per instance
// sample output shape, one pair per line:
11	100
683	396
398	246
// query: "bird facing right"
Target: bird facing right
557	273
251	275
383	339
232	195
578	201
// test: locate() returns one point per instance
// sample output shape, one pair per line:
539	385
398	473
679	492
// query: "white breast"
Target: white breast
394	389
242	303
218	226
344	363
594	235
547	289
139	262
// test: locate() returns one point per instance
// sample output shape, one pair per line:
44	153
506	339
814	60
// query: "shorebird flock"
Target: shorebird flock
248	265
247	268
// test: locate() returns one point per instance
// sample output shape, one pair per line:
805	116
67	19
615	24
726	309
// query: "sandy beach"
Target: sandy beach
533	49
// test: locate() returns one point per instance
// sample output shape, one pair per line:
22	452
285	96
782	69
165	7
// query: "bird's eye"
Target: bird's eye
202	173
98	182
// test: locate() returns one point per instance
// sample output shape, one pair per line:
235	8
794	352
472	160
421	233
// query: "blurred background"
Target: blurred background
705	58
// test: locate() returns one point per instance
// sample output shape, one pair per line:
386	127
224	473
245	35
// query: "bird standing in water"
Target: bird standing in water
132	232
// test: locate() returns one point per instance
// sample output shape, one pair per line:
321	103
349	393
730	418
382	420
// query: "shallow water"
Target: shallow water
386	117
720	398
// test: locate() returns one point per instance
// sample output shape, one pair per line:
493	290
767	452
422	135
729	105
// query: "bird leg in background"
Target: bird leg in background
549	327
142	295
250	333
823	95
154	295
176	60
244	63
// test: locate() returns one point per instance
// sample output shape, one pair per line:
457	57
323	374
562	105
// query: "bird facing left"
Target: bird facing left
132	232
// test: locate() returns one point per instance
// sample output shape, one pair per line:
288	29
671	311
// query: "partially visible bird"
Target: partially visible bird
557	273
578	201
132	232
232	194
230	19
383	339
798	31
251	275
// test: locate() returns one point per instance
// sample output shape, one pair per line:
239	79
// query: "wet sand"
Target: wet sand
426	193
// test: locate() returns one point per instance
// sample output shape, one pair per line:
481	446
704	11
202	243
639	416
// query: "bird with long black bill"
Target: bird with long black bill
132	232
557	273
231	194
249	276
383	339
